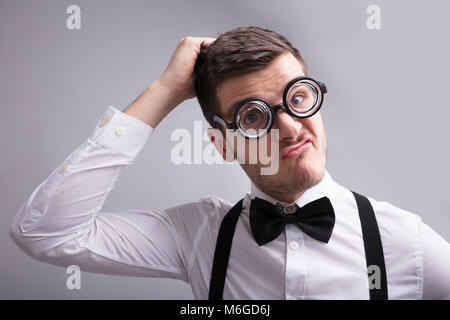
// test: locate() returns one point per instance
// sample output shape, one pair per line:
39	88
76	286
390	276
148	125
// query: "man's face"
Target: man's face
298	171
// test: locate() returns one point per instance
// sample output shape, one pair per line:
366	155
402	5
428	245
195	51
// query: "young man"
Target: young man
298	234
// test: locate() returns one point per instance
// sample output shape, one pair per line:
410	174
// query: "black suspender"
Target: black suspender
222	252
372	245
371	236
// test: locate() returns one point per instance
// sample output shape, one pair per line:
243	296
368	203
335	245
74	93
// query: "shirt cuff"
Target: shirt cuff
121	132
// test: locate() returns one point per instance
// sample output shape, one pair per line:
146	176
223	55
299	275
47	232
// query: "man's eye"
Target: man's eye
251	118
297	100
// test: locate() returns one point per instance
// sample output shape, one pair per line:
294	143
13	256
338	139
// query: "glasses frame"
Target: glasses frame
273	109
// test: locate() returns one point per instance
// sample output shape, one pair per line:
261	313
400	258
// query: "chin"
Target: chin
304	174
294	176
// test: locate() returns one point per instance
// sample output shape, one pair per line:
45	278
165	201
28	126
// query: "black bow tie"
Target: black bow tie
267	220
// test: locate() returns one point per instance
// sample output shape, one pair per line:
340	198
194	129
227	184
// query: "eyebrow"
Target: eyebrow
235	103
232	106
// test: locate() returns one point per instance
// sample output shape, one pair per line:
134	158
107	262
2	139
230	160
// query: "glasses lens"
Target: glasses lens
253	117
304	97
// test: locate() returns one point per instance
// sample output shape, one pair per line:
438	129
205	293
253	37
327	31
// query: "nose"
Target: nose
289	126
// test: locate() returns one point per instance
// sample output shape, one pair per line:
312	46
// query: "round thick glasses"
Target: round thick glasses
253	117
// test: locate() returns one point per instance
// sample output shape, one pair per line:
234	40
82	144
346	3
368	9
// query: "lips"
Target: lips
293	151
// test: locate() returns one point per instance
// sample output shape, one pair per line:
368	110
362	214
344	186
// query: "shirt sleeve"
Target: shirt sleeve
62	222
436	264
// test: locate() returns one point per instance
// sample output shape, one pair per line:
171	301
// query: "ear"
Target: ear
216	137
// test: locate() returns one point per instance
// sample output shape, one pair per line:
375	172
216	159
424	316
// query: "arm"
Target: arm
62	222
436	264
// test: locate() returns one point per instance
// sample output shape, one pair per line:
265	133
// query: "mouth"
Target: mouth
295	150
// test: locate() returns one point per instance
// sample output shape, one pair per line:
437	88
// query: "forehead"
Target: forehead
267	84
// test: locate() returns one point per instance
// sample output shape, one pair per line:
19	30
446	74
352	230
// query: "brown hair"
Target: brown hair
236	52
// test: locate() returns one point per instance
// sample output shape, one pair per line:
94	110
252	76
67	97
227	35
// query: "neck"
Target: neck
284	197
288	194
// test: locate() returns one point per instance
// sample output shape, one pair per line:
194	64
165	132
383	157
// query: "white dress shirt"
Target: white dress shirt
62	223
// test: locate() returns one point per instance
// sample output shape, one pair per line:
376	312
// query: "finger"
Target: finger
208	41
197	41
204	39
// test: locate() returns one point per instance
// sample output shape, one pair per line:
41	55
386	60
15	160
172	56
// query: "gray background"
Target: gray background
386	113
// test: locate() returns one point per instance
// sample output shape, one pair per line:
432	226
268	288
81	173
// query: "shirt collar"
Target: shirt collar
325	188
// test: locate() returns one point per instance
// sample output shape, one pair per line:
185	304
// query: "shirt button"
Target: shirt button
103	122
294	245
289	209
120	131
